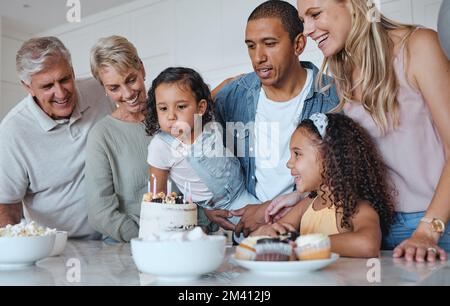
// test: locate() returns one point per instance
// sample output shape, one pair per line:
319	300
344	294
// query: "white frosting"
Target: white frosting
311	239
26	229
159	217
191	235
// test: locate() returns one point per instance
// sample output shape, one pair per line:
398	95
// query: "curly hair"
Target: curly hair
353	169
186	77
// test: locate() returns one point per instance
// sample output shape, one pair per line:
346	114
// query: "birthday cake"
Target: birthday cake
163	213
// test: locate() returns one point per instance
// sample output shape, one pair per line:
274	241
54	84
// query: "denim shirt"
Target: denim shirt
217	168
237	103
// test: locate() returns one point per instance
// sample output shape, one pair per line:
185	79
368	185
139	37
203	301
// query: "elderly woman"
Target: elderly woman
116	153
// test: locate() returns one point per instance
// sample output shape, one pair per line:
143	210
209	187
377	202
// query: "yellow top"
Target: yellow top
319	221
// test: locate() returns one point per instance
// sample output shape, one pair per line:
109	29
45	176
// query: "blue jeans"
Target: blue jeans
404	226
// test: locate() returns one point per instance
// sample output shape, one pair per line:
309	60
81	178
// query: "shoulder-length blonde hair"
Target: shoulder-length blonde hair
369	48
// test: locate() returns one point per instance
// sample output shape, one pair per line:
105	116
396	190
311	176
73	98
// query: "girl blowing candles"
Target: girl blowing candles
178	100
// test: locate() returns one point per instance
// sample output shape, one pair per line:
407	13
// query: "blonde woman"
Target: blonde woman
394	79
116	153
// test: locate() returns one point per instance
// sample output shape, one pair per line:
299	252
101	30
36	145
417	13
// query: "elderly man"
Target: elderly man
279	93
43	140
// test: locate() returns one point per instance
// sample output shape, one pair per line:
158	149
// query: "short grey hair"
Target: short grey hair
35	53
115	52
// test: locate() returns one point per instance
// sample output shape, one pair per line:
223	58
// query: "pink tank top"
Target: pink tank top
413	152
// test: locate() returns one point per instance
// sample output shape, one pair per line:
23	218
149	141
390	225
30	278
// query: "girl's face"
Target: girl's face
127	89
176	107
327	22
305	162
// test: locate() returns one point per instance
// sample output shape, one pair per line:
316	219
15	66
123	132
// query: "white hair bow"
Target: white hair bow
320	121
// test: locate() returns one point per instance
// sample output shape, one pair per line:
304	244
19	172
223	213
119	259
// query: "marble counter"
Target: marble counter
97	263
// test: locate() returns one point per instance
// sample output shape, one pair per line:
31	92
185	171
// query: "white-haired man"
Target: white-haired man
43	140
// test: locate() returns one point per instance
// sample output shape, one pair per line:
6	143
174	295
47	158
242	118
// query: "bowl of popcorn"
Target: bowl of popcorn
24	244
178	255
60	243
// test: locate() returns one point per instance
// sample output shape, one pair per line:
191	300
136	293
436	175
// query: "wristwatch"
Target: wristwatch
436	225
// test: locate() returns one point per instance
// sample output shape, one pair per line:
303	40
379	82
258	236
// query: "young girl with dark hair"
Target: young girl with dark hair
188	145
336	162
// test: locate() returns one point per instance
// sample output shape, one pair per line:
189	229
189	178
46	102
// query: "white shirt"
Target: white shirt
274	124
162	156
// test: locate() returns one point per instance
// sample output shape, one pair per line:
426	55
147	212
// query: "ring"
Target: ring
432	250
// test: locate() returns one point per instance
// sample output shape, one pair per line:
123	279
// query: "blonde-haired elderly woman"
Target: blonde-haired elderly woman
116	153
394	79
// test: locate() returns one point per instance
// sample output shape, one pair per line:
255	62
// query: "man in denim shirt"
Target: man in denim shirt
278	94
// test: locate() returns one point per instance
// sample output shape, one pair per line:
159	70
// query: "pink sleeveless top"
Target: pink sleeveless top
413	152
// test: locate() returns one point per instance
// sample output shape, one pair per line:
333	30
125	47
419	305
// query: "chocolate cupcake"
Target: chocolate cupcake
272	249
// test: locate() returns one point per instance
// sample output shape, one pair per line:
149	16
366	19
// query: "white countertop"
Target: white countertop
103	264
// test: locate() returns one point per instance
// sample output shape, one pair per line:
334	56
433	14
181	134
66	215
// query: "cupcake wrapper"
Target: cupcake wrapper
273	251
271	257
319	250
245	254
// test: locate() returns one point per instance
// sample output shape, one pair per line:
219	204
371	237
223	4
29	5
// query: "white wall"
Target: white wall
1	69
179	32
170	32
11	91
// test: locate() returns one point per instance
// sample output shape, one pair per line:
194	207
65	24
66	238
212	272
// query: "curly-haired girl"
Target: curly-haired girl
336	161
188	145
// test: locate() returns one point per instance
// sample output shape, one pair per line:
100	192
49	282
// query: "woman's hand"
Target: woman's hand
422	246
219	87
280	206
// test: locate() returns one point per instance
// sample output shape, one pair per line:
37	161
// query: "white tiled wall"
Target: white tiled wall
207	35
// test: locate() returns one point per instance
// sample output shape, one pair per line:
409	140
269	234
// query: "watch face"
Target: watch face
438	225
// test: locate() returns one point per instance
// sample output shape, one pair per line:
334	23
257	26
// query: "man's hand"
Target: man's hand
10	214
220	217
252	217
280	206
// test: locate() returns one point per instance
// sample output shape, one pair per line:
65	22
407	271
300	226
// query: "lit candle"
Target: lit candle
184	193
148	187
190	193
154	185
169	187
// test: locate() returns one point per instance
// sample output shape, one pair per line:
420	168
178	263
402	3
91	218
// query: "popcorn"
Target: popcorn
26	229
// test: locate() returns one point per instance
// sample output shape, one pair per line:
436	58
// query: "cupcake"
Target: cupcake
246	249
272	249
313	246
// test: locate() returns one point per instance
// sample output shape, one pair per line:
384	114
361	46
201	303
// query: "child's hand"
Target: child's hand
280	206
265	230
274	230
